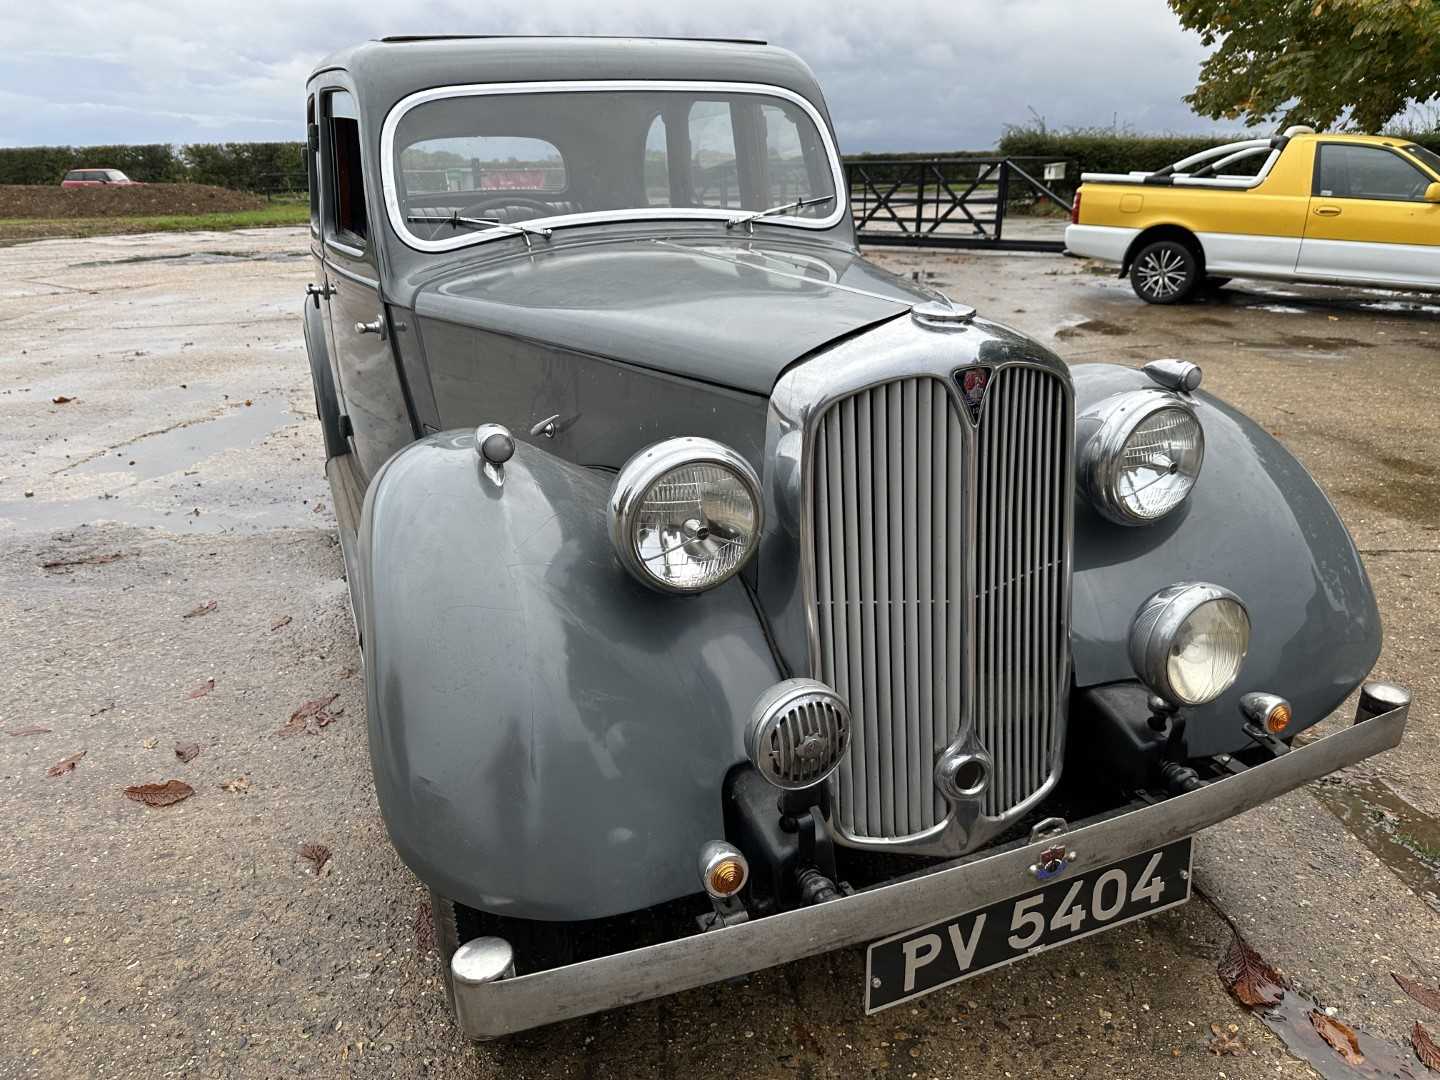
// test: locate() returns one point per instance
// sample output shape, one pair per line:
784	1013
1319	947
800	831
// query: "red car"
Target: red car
96	178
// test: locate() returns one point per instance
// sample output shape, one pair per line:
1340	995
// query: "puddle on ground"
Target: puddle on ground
133	502
204	258
180	448
33	516
1405	839
1290	1020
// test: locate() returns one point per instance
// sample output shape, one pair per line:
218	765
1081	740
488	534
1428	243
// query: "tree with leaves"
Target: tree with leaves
1315	62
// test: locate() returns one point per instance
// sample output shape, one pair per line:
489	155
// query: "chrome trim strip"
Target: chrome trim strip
404	105
495	1009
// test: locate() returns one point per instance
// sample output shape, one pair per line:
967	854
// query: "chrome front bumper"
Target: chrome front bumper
490	1009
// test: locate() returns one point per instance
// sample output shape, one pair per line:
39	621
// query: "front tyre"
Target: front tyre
1165	272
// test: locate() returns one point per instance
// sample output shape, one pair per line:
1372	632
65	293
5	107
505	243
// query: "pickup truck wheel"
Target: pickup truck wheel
1165	272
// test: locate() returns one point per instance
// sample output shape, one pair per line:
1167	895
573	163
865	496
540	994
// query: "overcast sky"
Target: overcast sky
928	75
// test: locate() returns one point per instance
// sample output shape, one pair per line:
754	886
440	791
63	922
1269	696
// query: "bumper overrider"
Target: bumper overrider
491	1002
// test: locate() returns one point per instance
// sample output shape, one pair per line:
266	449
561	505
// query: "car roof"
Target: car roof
1361	140
386	70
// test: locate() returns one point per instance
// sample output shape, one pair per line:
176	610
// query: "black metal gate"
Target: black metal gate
957	202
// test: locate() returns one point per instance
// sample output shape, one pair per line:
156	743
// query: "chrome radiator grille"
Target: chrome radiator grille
897	477
1021	631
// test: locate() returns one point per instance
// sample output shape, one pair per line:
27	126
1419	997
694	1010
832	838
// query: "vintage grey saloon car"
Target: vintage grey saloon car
725	599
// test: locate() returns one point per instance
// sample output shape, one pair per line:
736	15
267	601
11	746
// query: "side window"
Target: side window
312	152
347	183
657	164
1366	172
714	176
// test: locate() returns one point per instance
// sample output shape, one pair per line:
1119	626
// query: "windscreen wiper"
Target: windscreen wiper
748	220
455	220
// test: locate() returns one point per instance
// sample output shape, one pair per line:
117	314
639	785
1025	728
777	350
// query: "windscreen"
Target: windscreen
464	162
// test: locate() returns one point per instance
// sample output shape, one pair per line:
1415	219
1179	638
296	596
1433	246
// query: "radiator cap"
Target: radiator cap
942	313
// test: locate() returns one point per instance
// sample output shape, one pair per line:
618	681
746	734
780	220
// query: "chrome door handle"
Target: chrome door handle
1327	211
546	427
376	327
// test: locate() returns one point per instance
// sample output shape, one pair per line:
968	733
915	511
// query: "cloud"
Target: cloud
924	75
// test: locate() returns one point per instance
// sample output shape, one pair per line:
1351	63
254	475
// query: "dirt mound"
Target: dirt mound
148	200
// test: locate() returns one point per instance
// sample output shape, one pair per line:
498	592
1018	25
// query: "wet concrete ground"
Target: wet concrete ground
196	940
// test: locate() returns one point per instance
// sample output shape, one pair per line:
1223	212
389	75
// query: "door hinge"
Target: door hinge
326	289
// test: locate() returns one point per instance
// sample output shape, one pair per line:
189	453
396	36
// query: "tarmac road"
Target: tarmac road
196	940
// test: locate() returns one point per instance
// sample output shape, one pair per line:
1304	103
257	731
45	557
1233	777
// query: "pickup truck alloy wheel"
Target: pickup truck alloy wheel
1165	272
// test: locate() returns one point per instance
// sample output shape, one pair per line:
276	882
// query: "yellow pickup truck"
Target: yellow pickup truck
1326	208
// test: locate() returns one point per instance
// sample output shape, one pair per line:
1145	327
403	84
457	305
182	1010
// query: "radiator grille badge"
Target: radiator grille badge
973	384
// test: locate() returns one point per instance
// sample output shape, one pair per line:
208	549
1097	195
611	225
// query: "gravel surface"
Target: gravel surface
170	525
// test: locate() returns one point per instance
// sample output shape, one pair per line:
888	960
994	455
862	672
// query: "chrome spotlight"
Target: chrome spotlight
1187	642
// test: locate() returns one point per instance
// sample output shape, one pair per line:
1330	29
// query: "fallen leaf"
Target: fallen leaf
187	751
318	854
61	399
1246	975
317	508
172	791
240	785
30	731
64	765
1425	995
1340	1035
284	620
248	403
203	609
1225	1043
294	726
151	744
201	690
1425	1048
301	716
326	717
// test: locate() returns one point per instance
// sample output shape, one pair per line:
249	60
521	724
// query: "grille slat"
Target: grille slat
888	521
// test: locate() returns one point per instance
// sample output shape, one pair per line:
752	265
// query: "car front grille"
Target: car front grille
891	496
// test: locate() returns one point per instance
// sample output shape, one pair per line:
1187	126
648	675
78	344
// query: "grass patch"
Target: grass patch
15	230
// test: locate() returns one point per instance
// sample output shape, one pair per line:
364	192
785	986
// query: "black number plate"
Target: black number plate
926	959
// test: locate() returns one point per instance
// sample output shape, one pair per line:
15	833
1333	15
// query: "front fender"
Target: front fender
548	736
1257	523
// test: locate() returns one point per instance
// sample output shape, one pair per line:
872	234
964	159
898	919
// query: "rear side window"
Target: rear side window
74	174
312	154
1366	172
347	183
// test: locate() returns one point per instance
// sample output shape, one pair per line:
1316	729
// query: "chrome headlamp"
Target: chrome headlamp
1142	452
1187	642
686	514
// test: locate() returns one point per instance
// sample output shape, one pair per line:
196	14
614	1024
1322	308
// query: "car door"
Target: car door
368	378
1369	220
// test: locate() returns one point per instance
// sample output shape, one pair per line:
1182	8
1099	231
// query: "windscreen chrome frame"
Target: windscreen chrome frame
654	213
901	349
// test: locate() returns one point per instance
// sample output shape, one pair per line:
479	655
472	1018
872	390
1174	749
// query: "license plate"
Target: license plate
921	961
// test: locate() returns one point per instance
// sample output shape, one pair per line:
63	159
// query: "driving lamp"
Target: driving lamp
1187	642
1142	454
686	514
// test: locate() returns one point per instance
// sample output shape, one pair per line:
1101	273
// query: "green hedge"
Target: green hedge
156	163
259	167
